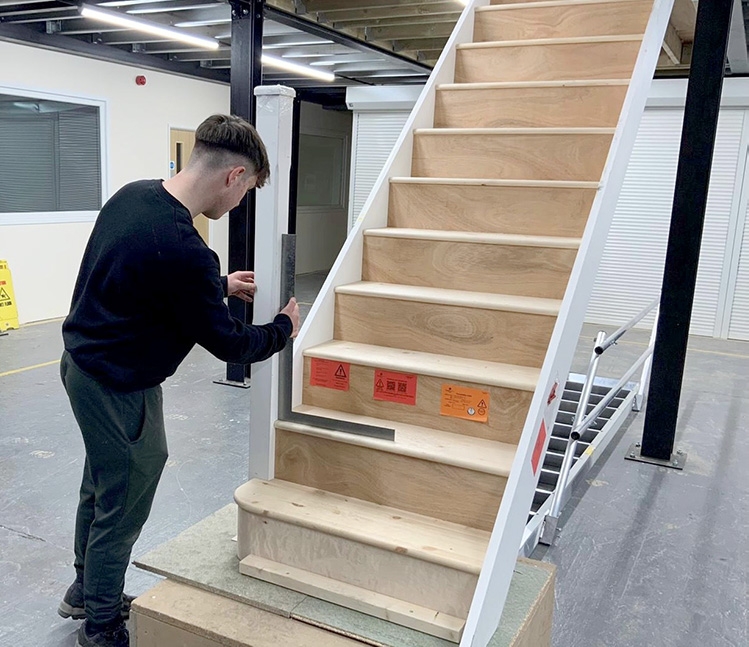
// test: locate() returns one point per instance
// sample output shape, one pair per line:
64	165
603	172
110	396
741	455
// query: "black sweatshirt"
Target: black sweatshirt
148	290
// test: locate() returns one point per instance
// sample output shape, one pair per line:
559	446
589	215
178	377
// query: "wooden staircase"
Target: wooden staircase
445	335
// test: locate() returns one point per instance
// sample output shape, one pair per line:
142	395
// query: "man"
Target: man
148	290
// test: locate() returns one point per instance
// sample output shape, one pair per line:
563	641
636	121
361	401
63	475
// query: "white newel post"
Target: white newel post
274	125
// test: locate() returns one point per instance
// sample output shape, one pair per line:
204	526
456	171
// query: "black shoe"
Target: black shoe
72	603
116	636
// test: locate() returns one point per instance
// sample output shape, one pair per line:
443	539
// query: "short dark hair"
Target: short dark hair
220	137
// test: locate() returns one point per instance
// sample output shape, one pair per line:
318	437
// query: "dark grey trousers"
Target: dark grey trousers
125	455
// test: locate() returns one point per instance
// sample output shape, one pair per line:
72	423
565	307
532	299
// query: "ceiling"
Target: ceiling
363	42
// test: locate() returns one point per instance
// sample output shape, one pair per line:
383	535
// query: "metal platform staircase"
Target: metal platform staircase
449	322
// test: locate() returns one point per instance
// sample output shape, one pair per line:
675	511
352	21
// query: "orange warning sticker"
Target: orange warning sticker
395	387
330	374
462	402
538	448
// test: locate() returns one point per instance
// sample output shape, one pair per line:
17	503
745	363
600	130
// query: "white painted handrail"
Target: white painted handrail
496	574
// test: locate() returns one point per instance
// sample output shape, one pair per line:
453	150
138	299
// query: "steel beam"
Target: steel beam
246	75
687	221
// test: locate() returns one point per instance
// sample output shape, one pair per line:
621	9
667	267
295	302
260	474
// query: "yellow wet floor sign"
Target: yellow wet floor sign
8	311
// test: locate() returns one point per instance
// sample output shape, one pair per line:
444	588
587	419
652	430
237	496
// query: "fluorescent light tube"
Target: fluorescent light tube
304	70
128	22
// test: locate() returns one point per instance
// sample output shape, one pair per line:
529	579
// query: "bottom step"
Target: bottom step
354	597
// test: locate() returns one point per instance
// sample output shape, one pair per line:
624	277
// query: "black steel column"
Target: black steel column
246	75
294	173
687	220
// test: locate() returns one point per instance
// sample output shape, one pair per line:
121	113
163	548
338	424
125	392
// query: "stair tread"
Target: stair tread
506	85
575	40
540	184
460	369
425	538
515	131
517	240
458	450
546	3
463	298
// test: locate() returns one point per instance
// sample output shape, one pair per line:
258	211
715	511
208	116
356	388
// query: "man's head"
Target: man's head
230	151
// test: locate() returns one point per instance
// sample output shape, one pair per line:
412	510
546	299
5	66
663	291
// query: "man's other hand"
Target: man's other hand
292	310
241	284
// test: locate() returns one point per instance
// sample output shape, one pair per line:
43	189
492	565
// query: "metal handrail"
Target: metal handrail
616	336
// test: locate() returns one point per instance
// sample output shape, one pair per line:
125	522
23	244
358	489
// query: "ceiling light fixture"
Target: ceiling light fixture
128	22
280	63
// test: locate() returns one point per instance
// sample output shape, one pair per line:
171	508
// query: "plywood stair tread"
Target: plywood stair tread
460	298
456	181
425	538
467	452
545	3
442	235
523	378
515	131
576	40
509	85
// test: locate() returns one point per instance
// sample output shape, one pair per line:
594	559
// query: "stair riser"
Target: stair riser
565	107
465	497
581	61
501	269
490	335
397	575
605	19
507	407
579	157
491	209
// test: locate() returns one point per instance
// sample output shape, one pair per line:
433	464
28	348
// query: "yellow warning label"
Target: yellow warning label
462	402
8	311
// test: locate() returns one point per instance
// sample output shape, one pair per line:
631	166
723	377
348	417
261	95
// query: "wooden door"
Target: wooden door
181	143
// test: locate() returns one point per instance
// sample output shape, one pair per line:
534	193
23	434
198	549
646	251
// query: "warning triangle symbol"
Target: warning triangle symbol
340	371
4	295
481	405
380	384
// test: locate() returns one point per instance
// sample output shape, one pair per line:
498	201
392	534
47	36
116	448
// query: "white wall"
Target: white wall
321	231
44	259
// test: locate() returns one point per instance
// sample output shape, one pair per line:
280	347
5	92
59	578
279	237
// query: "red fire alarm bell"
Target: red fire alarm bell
140	80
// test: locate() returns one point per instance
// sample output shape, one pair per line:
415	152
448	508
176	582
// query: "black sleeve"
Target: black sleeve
208	321
225	285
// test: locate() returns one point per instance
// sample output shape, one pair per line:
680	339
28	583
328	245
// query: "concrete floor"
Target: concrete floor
646	556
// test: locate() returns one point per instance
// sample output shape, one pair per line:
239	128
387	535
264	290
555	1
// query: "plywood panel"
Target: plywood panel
502	269
496	209
562	20
555	62
596	106
465	497
179	615
578	157
497	336
396	575
507	408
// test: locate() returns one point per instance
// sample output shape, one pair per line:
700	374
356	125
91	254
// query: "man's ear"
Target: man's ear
236	174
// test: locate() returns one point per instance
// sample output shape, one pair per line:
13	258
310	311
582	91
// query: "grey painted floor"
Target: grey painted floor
646	556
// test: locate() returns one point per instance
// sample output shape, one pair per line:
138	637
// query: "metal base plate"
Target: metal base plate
549	531
676	462
239	385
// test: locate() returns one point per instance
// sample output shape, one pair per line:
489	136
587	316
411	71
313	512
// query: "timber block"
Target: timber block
477	325
492	206
535	266
469	473
572	154
594	57
510	389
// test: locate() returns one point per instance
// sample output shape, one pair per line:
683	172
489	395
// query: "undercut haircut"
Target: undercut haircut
223	140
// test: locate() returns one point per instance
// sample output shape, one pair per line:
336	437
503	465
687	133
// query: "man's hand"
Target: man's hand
292	310
241	284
